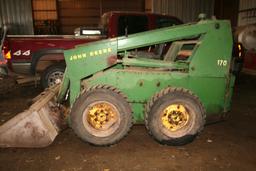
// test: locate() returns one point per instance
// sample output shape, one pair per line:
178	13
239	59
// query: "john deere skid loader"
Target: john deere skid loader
171	79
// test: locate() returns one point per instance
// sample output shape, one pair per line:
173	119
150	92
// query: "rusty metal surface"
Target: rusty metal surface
36	127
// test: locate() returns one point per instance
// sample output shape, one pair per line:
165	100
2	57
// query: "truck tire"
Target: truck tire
174	116
101	116
52	75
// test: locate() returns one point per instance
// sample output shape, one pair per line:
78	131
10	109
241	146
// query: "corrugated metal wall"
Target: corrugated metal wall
75	13
148	5
122	5
247	12
186	10
227	9
17	15
45	15
44	9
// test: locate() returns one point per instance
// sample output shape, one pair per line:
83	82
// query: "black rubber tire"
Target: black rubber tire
48	71
112	96
165	98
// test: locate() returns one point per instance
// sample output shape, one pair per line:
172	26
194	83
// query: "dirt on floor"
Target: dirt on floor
229	145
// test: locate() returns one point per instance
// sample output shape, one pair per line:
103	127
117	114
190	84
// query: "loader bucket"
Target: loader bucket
36	127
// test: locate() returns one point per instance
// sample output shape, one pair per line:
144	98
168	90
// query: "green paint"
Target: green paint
142	85
205	72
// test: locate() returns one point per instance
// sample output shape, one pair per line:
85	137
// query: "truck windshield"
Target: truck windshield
166	22
130	24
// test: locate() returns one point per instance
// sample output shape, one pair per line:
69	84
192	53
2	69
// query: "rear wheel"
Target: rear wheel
174	116
52	75
101	116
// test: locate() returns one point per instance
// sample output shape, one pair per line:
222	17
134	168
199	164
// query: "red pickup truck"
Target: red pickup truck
43	54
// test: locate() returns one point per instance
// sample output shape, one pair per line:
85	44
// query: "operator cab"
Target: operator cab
177	51
180	50
172	56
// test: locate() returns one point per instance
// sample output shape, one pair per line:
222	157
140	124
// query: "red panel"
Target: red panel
23	48
250	60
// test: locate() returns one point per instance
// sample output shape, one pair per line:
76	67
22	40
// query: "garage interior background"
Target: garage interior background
63	16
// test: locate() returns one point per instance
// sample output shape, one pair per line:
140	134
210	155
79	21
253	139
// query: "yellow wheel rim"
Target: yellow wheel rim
102	115
174	117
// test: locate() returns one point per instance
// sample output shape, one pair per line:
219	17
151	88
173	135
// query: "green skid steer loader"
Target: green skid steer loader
171	79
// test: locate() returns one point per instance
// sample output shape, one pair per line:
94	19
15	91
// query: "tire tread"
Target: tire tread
164	92
115	90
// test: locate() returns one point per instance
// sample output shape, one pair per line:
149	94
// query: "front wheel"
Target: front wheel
174	116
101	116
52	75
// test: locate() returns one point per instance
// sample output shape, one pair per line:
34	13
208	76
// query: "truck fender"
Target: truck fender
36	56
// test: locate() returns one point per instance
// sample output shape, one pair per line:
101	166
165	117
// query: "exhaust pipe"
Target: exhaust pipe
36	127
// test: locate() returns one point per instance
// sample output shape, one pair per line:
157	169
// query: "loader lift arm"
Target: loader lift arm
104	54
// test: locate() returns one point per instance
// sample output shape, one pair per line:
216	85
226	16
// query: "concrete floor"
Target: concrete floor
229	145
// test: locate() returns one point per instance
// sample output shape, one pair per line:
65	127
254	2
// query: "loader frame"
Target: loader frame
111	84
206	73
